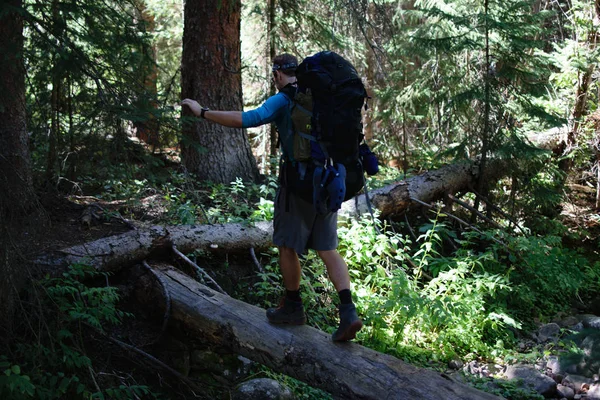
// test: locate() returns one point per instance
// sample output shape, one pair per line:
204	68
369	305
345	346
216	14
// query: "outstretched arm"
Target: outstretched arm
232	119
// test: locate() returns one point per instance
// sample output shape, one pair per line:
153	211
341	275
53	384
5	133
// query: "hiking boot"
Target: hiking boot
349	324
289	312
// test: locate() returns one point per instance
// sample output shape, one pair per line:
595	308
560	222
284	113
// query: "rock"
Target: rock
230	366
594	391
577	381
262	389
455	364
472	368
459	377
532	379
568	322
549	331
555	366
565	391
578	327
590	321
591	346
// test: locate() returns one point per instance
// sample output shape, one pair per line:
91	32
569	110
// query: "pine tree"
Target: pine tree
211	73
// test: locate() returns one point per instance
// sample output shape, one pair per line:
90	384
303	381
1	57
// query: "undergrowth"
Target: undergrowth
49	359
427	294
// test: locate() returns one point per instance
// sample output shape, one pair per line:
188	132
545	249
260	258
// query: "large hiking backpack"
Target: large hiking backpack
326	118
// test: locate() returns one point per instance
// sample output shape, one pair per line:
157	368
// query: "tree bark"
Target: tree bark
583	84
346	370
211	73
271	54
15	168
54	134
430	186
147	128
116	251
16	188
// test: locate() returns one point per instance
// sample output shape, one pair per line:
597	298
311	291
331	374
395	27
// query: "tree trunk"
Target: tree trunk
16	189
485	137
583	84
147	128
211	73
346	370
116	251
270	56
53	137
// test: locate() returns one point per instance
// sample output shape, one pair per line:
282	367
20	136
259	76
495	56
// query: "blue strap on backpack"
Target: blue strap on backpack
329	188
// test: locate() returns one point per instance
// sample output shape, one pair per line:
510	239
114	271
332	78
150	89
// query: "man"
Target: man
297	225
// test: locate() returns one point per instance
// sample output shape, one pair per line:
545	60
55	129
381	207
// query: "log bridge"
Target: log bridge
346	370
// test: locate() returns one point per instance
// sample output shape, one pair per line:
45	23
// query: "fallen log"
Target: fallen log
430	186
113	252
346	370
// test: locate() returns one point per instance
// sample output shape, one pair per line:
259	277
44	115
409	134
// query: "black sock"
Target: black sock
345	296
293	295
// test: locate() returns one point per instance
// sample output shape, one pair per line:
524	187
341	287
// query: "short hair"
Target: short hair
285	63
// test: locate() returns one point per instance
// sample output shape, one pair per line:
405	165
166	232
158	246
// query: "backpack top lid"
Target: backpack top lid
326	71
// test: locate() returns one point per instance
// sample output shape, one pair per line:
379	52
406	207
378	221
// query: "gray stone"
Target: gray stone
455	364
594	391
262	389
532	379
578	381
568	322
549	331
458	377
591	345
565	391
590	321
555	366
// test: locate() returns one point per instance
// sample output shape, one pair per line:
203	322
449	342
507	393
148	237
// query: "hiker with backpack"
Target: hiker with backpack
319	128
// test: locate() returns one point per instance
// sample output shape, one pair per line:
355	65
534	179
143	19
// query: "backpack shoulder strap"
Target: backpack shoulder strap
289	91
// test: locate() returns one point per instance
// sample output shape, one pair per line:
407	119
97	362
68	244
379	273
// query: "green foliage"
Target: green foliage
544	272
507	389
55	366
79	303
236	202
453	311
421	302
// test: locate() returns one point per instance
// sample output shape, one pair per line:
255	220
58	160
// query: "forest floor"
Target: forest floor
64	221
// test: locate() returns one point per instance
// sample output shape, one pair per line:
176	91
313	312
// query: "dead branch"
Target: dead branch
199	270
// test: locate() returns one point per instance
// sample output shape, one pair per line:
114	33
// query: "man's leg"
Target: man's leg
290	310
336	268
339	276
290	268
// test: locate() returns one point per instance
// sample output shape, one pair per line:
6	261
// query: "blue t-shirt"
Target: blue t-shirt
275	109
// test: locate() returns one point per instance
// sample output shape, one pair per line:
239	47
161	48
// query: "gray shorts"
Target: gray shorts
297	225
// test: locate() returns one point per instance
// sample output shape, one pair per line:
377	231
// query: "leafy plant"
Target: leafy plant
56	365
